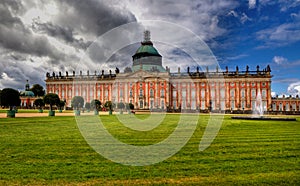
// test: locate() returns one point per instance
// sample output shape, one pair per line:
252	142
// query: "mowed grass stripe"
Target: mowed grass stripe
51	150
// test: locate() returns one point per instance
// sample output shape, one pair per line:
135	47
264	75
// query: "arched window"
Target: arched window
287	107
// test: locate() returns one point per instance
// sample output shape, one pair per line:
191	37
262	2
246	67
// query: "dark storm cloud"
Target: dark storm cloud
56	31
92	16
16	37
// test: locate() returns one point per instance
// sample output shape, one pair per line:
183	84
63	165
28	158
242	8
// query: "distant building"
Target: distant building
27	97
148	85
286	104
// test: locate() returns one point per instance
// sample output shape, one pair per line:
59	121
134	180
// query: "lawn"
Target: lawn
51	150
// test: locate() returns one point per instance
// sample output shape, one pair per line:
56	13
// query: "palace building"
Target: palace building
148	85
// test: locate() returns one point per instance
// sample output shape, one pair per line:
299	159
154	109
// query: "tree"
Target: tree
10	97
77	102
51	99
121	105
109	105
87	106
38	90
61	104
95	104
39	103
131	106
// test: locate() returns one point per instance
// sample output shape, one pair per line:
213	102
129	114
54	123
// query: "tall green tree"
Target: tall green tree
39	103
38	90
61	104
95	104
109	105
77	102
10	97
51	99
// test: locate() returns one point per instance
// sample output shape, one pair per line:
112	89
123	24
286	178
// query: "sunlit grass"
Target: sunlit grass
51	150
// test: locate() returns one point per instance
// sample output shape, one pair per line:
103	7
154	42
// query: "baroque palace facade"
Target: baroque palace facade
148	85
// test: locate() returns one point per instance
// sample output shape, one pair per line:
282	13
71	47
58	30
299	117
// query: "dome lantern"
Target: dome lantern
146	57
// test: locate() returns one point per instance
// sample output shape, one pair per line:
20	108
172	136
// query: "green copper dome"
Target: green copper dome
146	57
147	49
27	93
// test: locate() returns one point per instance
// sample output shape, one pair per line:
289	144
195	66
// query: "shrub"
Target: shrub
51	99
10	97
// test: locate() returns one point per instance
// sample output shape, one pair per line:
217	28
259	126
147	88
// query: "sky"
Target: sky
39	36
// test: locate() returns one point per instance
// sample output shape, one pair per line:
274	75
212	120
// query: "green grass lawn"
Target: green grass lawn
51	150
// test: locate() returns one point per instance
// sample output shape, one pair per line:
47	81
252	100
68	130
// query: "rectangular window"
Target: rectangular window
151	93
212	94
243	105
280	107
253	105
264	93
141	92
264	105
162	92
243	93
202	93
121	93
213	105
287	107
294	106
193	105
222	92
193	94
274	107
174	93
151	103
184	94
232	93
253	93
202	105
91	93
174	104
232	105
183	104
222	105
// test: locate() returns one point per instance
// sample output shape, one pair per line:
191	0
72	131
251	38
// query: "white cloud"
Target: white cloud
245	18
284	34
294	89
232	13
199	16
279	60
252	4
273	94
